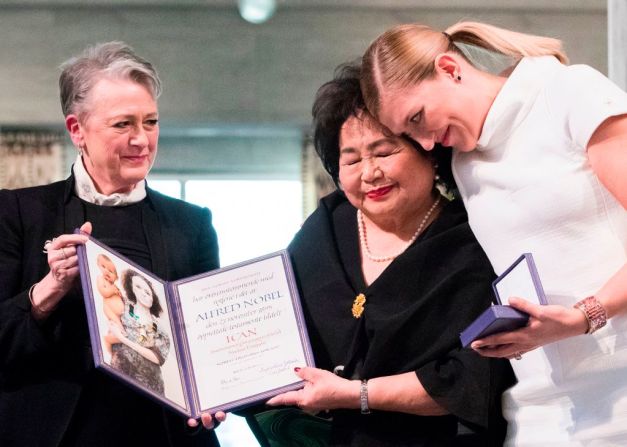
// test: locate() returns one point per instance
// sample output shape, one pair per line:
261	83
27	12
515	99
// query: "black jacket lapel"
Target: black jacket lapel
156	244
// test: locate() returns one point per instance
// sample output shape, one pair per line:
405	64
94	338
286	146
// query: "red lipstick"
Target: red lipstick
378	193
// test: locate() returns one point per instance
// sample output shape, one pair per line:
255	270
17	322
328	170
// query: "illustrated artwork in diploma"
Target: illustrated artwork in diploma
220	340
132	320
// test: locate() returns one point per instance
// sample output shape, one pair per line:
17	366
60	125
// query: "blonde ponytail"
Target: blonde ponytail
506	42
405	55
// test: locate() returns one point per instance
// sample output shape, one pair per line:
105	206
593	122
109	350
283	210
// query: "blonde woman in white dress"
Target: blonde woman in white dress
540	157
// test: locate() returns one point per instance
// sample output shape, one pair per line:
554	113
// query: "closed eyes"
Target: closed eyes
416	118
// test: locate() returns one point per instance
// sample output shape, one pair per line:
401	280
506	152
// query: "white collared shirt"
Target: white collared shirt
86	189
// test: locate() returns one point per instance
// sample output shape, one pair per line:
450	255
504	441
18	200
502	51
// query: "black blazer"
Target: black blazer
43	366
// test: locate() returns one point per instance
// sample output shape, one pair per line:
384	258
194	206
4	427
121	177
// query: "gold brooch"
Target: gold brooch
358	305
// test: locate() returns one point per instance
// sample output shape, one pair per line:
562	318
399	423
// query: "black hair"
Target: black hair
335	102
127	283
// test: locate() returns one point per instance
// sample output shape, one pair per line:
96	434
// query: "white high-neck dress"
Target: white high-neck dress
528	187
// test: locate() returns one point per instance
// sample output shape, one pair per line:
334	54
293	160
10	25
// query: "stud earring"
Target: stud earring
459	78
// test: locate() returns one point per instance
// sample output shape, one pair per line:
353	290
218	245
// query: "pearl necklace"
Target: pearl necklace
364	240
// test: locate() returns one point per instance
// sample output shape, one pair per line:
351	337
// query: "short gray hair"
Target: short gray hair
111	59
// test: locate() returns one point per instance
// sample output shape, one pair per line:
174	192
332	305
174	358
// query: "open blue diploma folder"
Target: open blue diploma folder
521	279
219	340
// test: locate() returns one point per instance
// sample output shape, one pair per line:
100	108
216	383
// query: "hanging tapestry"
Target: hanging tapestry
30	157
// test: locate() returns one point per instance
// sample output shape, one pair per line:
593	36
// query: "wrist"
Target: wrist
42	303
364	404
580	322
38	311
594	313
350	396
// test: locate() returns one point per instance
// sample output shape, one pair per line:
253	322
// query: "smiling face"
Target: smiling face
118	134
382	175
433	111
448	108
142	291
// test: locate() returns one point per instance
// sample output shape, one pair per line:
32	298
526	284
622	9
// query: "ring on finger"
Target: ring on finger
63	253
48	242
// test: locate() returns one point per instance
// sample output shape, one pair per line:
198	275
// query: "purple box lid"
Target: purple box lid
494	319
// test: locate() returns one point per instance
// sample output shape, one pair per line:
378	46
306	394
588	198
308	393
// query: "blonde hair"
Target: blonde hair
405	54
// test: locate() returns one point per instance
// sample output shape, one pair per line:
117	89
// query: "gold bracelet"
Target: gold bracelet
595	314
36	308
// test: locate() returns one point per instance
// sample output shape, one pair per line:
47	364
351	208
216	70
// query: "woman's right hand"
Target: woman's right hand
547	324
323	390
208	420
63	263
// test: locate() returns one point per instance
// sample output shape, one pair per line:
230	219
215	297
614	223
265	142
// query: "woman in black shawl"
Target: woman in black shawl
390	274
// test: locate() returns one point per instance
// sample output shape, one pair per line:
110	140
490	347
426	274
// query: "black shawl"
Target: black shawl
413	315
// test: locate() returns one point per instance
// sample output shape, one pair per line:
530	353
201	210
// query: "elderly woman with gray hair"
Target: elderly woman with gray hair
50	393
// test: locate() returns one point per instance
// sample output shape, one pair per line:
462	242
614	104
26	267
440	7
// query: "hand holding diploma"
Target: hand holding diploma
46	294
208	421
323	390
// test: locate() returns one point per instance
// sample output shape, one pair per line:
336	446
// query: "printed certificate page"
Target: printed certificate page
245	332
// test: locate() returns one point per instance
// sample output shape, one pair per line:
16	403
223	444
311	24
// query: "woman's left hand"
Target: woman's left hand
208	421
323	390
547	324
